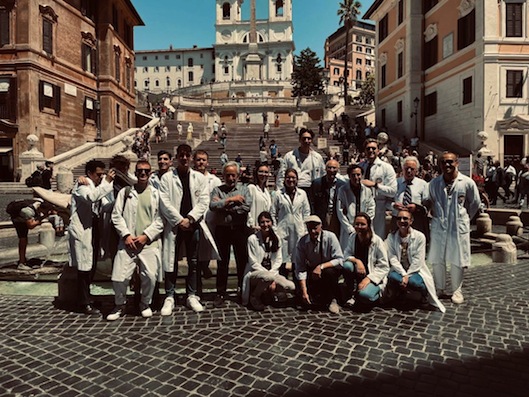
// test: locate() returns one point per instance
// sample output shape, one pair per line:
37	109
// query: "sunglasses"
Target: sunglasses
306	138
143	171
410	168
371	148
449	162
403	218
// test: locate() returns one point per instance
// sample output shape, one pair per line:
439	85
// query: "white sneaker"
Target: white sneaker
457	297
146	313
116	313
334	308
168	307
193	302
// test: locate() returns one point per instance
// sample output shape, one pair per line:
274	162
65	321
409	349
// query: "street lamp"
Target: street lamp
414	114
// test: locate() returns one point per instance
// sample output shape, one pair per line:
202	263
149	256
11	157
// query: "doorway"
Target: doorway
513	150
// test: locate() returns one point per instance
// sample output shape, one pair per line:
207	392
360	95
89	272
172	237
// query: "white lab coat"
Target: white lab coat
289	217
261	201
171	192
124	221
417	258
450	226
312	168
377	260
206	253
346	209
80	229
384	175
256	254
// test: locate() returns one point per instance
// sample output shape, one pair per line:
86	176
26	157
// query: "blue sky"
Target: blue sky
184	23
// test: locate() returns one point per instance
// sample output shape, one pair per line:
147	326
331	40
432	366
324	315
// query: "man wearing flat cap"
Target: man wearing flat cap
318	266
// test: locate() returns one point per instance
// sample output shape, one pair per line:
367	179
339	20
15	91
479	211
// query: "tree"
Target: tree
348	11
307	76
367	91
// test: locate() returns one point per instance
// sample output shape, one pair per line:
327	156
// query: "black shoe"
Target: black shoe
90	310
218	301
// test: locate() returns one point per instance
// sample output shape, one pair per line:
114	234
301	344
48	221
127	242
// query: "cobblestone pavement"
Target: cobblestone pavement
479	348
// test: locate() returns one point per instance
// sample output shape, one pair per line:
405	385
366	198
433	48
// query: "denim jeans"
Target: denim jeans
370	293
415	281
190	239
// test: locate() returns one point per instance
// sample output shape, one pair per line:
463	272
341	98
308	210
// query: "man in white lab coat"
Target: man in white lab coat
455	201
184	199
380	176
137	221
84	217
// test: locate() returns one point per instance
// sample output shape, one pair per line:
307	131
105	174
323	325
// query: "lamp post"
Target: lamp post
414	114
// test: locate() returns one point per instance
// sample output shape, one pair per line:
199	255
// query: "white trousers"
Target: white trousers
456	274
148	260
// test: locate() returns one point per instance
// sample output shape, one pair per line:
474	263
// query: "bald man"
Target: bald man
322	195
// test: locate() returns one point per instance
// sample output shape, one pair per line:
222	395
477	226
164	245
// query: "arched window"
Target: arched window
179	83
156	83
226	12
358	75
146	83
168	81
279	8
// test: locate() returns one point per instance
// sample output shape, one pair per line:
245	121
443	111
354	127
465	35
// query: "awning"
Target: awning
5	150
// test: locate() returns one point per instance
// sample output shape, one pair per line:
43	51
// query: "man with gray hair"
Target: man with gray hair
412	195
230	203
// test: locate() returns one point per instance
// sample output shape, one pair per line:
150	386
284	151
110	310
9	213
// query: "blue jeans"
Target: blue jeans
415	281
371	293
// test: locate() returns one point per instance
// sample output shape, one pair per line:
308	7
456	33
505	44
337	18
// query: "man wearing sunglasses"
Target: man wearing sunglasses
407	258
380	176
137	221
455	201
412	195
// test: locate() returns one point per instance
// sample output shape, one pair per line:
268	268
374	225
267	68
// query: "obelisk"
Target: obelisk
253	60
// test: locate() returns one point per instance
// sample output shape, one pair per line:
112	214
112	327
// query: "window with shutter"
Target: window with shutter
466	30
47	36
4	26
467	90
430	104
513	19
49	97
514	84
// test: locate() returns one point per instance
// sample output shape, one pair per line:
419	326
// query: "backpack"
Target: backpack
14	207
34	179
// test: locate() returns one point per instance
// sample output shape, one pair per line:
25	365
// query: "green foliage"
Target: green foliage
367	91
307	77
348	11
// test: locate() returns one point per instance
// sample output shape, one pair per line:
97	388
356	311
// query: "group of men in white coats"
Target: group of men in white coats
453	198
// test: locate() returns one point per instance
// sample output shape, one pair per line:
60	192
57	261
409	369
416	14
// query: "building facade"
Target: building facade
459	68
164	71
361	55
66	75
185	70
